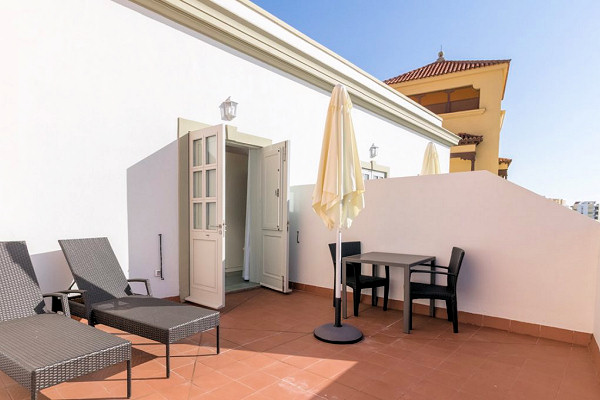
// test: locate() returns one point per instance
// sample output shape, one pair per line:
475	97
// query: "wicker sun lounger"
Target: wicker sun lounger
108	299
39	349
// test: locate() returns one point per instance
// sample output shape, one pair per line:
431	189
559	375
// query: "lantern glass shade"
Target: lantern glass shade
373	150
228	109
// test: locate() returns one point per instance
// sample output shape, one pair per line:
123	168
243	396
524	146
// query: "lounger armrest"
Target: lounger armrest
63	305
71	291
84	296
81	293
145	281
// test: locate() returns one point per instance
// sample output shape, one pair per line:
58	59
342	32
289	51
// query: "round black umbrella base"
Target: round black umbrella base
345	334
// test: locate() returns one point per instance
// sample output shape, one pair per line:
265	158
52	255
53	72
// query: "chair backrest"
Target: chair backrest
95	268
348	249
20	294
456	260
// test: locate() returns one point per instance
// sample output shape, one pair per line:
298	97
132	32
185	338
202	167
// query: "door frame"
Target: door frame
232	136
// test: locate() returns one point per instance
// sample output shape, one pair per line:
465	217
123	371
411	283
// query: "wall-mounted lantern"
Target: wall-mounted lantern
373	150
228	109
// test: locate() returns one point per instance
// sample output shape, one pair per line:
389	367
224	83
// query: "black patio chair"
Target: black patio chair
433	291
39	349
106	298
357	281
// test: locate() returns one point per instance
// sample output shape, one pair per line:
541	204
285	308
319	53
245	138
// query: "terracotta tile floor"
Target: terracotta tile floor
269	352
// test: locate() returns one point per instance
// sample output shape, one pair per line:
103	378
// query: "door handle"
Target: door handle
216	227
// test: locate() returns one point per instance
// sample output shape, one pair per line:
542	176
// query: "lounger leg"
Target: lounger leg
218	347
33	386
168	361
128	379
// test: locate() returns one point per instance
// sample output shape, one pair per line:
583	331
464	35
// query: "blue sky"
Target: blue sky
552	98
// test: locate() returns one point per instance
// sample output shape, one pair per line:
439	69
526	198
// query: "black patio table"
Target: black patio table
405	261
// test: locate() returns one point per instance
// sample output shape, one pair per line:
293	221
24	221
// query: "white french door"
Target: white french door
207	216
274	229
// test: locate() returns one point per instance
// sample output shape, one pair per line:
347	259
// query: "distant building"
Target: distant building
561	202
588	208
467	95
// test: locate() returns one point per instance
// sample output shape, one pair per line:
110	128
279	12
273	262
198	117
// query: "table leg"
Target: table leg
374	290
432	301
405	307
344	295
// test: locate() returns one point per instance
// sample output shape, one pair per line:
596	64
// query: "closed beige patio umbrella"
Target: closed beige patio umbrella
338	196
431	163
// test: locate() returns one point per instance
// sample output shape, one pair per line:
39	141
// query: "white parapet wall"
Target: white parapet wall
527	258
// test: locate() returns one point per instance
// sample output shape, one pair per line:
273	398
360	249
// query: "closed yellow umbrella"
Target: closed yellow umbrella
338	196
431	162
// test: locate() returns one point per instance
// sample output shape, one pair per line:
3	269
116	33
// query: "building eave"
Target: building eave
251	30
454	75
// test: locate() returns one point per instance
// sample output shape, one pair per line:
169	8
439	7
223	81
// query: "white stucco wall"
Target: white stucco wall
91	93
151	210
527	258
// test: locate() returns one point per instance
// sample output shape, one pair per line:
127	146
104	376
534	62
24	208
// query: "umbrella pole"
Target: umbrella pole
338	244
337	333
338	279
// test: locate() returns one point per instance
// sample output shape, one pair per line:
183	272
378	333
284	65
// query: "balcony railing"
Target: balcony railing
454	106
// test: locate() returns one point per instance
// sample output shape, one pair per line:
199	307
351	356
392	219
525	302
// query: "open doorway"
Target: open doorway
236	187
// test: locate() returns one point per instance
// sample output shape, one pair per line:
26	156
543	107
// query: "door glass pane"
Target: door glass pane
197	192
211	183
211	216
197	152
197	216
211	149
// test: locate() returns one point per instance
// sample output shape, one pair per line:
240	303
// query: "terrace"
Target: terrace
529	293
269	352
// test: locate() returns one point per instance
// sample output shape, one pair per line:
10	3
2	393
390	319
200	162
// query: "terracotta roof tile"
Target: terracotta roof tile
502	160
442	67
